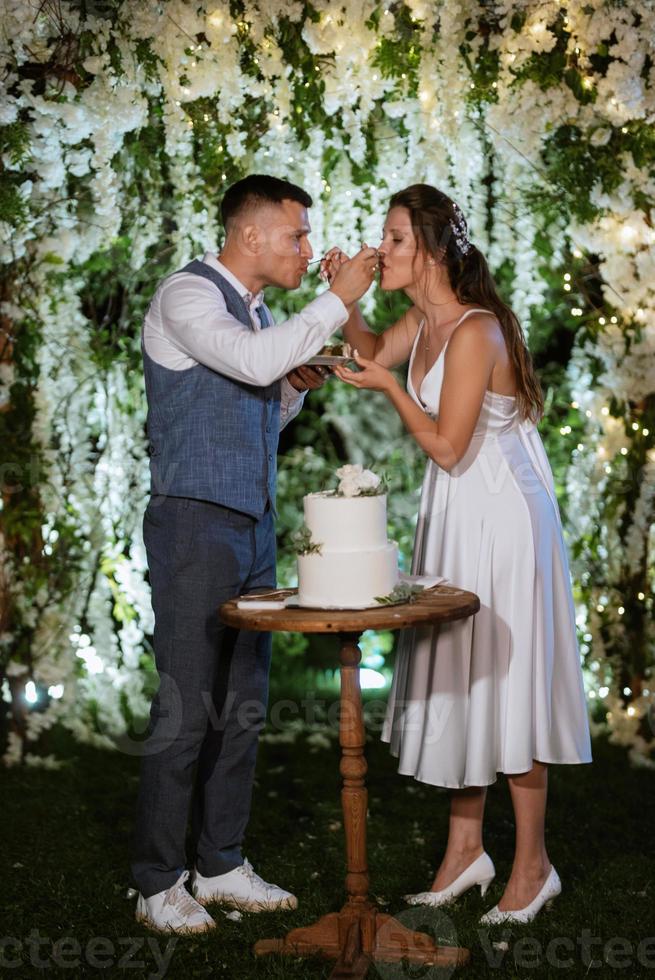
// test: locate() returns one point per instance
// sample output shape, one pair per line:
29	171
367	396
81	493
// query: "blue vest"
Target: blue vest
210	437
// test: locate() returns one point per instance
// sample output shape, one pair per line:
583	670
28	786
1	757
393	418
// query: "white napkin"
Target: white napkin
427	581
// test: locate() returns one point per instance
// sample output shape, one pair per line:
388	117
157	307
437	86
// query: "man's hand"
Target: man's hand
355	275
331	262
306	378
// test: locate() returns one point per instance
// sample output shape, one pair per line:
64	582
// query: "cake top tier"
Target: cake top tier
346	523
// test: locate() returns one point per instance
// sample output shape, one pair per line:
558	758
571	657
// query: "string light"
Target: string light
627	691
574	405
641	596
602	321
645	432
635	426
604	410
621	610
603	692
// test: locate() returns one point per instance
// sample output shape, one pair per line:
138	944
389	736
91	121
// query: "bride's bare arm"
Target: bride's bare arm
390	348
469	361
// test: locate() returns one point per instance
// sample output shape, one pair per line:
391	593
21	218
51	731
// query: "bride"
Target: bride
501	692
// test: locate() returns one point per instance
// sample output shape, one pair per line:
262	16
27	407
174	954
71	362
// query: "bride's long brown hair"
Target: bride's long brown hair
440	228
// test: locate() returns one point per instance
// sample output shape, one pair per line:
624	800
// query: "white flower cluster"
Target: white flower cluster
355	481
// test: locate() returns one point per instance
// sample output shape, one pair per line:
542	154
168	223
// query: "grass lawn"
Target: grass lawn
66	846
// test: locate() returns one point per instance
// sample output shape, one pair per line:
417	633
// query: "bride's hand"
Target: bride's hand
331	263
371	375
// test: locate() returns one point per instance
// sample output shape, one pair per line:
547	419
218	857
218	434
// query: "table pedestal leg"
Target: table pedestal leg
359	933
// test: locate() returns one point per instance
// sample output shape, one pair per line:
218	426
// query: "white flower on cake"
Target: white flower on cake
355	481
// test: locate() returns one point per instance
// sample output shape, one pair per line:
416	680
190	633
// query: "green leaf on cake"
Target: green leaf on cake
303	544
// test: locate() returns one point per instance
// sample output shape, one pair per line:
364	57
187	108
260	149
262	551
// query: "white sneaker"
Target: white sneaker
243	889
173	910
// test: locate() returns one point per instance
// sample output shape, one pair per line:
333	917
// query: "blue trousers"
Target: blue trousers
199	757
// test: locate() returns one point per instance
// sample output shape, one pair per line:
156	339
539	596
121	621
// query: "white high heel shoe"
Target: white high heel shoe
550	889
481	872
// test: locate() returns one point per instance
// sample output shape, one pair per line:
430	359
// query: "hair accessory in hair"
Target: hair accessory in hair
460	230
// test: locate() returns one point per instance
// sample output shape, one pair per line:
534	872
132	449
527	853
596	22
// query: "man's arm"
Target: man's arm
195	321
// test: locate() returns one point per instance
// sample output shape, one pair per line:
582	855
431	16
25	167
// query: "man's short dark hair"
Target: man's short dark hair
257	189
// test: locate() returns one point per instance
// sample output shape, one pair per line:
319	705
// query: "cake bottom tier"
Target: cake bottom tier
347	579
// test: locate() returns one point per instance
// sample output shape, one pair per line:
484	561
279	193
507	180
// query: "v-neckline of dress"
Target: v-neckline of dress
417	391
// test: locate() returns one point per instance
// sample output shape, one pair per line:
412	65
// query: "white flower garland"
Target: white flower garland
88	424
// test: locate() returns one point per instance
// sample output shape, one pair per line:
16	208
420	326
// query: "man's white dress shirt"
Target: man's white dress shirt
187	323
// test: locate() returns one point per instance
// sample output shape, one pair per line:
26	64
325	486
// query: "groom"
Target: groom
221	380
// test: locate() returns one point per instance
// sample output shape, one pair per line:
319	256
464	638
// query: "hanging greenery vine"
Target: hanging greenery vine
121	125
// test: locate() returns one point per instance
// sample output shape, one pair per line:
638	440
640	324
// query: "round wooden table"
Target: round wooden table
359	933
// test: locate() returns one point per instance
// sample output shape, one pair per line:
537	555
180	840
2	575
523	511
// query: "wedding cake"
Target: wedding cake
345	559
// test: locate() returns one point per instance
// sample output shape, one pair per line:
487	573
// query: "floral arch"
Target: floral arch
121	125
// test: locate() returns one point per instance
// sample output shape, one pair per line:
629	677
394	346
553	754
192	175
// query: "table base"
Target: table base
358	936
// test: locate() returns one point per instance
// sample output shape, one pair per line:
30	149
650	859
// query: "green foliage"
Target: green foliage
303	543
403	592
13	206
15	143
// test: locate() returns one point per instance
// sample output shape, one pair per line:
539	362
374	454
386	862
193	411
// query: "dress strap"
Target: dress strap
461	320
468	313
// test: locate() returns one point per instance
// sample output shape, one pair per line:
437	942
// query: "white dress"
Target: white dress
493	692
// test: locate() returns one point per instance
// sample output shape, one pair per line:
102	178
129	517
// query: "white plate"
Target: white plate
427	581
294	603
328	360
